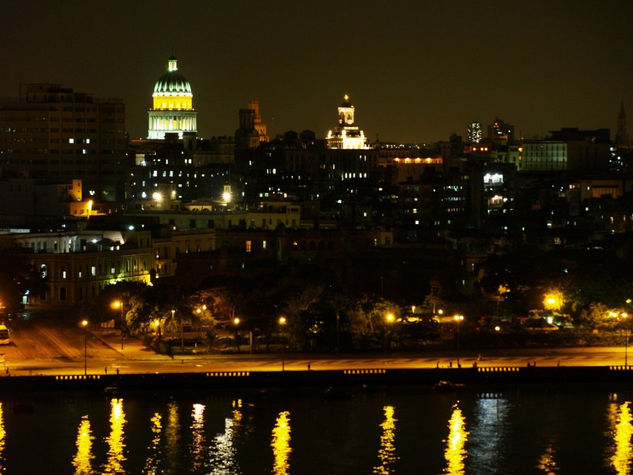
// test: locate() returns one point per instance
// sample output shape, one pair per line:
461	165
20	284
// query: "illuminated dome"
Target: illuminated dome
172	102
172	82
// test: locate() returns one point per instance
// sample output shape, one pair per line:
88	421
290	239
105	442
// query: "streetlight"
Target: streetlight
389	319
624	316
182	339
118	305
84	324
236	322
282	323
553	300
458	319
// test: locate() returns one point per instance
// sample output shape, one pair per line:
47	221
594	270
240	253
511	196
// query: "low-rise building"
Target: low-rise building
77	266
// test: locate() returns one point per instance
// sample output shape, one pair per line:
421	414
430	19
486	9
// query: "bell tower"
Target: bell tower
345	112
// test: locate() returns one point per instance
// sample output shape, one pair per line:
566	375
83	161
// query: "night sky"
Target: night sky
415	70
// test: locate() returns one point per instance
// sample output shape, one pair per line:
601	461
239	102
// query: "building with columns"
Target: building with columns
172	105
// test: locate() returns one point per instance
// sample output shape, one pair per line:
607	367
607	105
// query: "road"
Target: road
51	348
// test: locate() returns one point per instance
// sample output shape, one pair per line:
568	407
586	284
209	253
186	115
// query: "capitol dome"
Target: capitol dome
172	105
172	82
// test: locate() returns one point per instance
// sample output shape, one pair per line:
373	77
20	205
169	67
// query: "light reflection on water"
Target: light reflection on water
3	437
153	450
84	456
116	439
487	435
198	446
547	462
281	444
381	433
387	451
172	437
222	452
620	426
455	452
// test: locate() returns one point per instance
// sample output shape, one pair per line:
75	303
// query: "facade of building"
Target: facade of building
57	135
587	150
172	105
269	215
170	171
77	266
543	155
29	197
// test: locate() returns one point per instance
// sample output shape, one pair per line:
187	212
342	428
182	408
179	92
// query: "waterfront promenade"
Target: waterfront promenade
107	362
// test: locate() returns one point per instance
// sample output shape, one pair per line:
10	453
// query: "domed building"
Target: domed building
172	109
346	135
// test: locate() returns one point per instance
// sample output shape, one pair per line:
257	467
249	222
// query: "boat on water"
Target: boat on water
443	386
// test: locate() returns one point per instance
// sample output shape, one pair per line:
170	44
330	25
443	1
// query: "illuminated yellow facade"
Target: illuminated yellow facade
172	105
346	135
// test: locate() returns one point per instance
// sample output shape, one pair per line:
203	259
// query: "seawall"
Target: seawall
481	376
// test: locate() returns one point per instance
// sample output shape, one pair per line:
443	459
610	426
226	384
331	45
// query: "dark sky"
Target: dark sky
416	70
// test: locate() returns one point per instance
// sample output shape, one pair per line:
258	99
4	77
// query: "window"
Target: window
248	246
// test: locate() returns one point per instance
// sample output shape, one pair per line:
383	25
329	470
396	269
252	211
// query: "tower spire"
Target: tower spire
621	136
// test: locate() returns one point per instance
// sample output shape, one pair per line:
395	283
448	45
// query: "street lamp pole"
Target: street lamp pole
122	333
338	339
282	324
390	318
84	324
236	322
626	349
458	320
118	305
627	332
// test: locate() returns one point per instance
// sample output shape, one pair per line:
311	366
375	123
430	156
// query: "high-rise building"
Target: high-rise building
500	131
474	132
346	135
172	105
56	135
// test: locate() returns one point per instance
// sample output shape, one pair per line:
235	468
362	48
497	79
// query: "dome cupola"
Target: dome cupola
172	104
172	82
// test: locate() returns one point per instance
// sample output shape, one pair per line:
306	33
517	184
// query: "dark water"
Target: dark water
404	431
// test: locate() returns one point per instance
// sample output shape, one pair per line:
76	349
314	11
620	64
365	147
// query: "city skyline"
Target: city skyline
415	72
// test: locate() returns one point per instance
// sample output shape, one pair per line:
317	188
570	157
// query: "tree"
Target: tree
368	322
296	307
18	277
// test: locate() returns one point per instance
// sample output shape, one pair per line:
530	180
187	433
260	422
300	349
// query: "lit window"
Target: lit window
249	245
